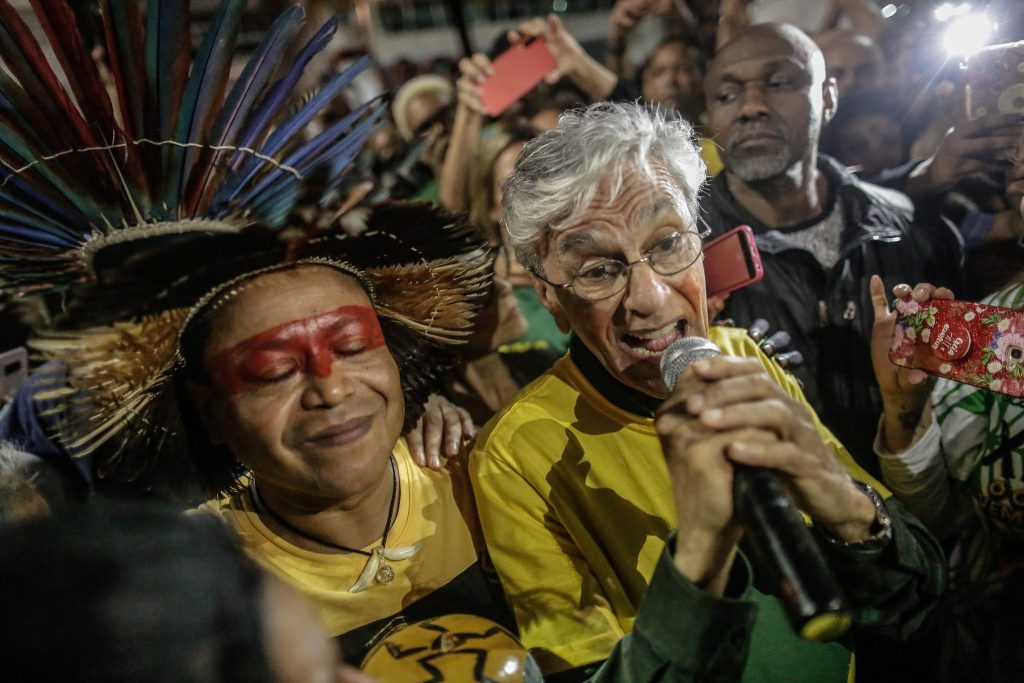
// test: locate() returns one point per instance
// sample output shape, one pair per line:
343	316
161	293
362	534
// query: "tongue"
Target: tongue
654	345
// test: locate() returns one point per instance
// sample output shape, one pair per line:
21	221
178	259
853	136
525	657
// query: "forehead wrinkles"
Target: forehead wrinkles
759	45
637	205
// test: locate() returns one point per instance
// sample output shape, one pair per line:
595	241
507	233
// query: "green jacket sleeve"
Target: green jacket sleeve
682	633
896	586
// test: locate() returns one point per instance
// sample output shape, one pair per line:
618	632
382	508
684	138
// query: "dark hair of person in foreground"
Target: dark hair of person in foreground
128	593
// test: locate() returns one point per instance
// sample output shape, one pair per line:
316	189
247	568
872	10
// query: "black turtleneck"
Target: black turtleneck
626	398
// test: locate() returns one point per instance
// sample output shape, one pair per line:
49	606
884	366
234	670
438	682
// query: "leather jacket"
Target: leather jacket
828	311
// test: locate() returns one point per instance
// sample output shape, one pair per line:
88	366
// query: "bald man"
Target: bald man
821	231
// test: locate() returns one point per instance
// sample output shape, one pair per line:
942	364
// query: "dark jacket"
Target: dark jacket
828	312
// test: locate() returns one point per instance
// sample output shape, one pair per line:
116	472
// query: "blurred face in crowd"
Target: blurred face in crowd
301	387
499	321
767	97
874	142
853	60
630	330
673	79
509	269
422	108
504	164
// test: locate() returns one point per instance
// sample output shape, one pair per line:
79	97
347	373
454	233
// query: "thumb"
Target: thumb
879	301
915	377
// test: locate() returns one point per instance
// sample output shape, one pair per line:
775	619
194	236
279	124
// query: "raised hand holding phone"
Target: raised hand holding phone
516	72
963	341
904	390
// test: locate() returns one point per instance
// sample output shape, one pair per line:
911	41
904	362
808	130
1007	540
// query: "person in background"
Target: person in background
854	60
418	102
954	453
582	478
866	134
673	76
422	110
476	166
821	231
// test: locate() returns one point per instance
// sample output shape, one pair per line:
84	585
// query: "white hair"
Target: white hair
559	173
23	478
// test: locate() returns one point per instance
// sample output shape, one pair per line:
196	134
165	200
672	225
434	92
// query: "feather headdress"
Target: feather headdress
145	198
162	149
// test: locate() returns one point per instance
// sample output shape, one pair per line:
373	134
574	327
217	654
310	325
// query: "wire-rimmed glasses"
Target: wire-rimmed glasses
673	254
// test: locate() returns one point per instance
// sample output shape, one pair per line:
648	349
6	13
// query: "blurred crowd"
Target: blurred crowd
849	136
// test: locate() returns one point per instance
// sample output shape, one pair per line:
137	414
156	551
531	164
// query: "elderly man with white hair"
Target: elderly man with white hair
583	477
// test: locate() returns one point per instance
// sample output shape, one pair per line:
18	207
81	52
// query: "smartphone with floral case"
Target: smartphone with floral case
964	341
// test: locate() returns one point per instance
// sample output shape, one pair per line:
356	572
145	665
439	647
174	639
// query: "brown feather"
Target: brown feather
437	299
114	370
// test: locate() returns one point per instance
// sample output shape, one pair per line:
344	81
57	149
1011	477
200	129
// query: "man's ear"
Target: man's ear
204	400
549	297
830	100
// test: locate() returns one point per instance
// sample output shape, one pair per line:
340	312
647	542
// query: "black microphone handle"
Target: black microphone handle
783	546
779	538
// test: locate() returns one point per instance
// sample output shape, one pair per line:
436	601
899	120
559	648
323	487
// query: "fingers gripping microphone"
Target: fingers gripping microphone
780	541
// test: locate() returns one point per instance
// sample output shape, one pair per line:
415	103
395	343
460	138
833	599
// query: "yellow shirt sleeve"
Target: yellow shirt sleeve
736	342
563	614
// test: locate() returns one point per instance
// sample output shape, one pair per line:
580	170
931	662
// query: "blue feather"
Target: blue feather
203	94
238	106
13	148
282	90
167	35
288	129
299	157
31	236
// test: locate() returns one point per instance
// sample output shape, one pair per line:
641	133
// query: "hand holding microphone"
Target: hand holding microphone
724	418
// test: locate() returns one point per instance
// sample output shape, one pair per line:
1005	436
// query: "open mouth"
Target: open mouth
651	344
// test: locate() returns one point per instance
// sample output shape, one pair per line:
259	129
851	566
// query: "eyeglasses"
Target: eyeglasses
673	254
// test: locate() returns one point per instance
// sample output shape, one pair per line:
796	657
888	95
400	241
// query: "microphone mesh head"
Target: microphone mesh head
681	353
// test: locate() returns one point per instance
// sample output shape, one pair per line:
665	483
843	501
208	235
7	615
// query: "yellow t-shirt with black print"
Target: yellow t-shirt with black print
435	509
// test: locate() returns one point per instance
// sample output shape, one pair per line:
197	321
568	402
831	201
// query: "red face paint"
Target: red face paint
308	346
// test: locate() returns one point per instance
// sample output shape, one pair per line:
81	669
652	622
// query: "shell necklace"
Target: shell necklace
377	568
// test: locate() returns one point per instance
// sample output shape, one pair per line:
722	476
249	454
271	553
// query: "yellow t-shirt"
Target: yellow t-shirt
575	502
709	153
435	509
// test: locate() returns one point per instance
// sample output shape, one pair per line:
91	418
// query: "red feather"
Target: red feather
37	77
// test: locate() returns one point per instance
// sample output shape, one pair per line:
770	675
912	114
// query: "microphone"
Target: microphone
779	539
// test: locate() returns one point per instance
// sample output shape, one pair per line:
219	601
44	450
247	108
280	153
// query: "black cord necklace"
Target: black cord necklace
377	567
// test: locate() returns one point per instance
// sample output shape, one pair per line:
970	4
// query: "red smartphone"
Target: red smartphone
515	72
732	261
994	79
963	341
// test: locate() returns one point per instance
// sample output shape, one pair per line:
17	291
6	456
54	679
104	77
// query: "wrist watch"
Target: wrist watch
881	531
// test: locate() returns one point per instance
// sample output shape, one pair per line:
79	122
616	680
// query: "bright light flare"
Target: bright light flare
968	33
948	10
